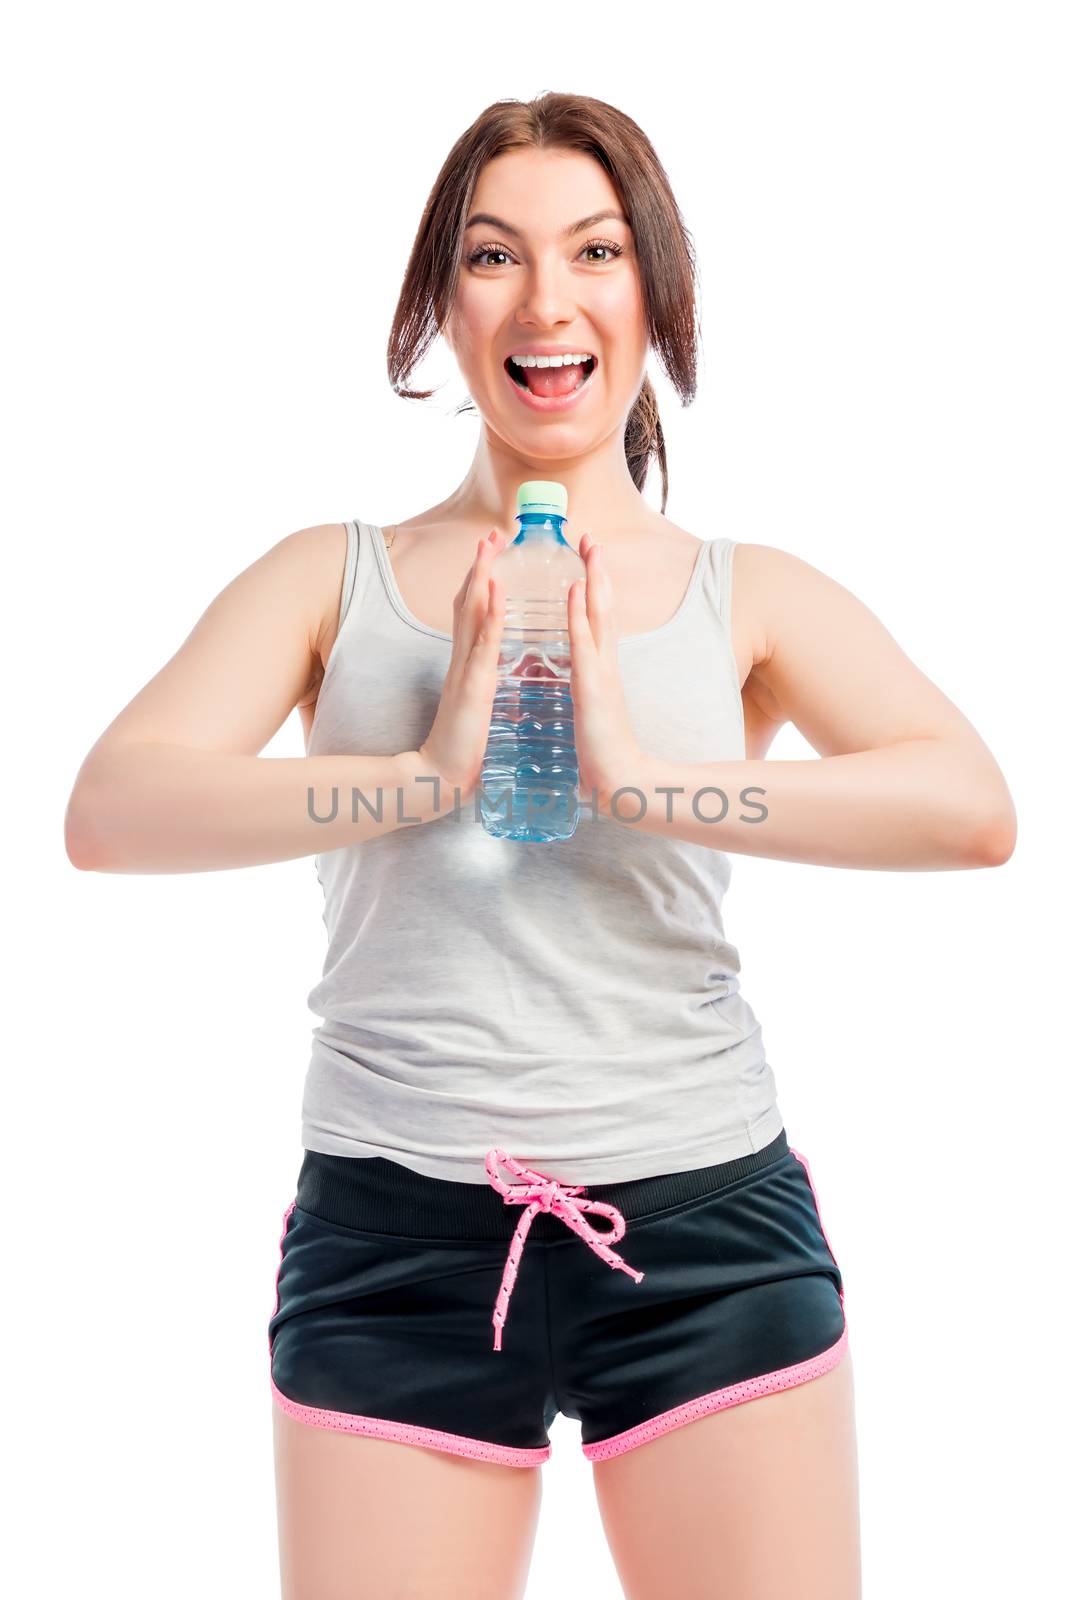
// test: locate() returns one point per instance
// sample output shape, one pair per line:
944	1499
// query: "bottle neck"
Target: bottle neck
540	525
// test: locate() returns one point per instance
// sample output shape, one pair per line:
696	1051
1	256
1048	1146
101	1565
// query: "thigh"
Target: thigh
758	1499
363	1517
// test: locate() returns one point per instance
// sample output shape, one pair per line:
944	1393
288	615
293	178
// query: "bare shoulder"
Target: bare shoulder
771	588
315	556
774	588
325	548
750	580
829	665
249	658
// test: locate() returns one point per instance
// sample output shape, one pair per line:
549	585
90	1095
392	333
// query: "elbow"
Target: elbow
994	841
92	826
81	832
77	835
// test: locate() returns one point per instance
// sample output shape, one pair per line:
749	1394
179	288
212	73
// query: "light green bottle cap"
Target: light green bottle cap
539	494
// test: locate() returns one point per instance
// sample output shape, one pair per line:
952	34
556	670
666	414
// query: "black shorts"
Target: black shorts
417	1309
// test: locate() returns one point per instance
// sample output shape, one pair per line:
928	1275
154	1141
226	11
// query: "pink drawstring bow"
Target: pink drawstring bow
538	1192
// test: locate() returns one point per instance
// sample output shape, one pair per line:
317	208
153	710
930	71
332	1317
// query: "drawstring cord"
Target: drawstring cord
538	1192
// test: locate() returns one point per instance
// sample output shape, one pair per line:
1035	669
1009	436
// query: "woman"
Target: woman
556	1027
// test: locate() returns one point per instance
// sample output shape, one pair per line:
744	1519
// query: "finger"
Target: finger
599	596
476	598
463	630
578	625
486	649
488	637
496	540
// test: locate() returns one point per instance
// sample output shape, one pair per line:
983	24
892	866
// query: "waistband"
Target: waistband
383	1196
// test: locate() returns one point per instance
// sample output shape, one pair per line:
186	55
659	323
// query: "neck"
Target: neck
601	494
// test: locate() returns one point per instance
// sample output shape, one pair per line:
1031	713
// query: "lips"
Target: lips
551	402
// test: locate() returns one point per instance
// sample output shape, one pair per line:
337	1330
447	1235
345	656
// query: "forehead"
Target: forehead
544	191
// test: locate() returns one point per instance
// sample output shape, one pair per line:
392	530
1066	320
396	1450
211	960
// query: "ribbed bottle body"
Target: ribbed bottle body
530	779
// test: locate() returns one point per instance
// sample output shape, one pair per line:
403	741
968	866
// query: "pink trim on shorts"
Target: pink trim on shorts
815	1196
454	1444
278	1270
704	1405
400	1432
827	1242
735	1393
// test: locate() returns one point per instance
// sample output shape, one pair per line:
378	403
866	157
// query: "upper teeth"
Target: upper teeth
548	361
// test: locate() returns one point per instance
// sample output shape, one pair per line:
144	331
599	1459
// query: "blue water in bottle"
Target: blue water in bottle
530	779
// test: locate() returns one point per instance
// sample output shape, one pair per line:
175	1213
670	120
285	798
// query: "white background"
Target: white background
211	208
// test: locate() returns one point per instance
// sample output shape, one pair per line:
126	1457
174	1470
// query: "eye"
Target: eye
475	258
486	250
604	244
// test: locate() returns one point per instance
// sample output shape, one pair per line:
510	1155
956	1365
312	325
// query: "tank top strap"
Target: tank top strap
348	580
718	575
363	587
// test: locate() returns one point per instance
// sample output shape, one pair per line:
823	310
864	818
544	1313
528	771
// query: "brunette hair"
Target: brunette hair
664	250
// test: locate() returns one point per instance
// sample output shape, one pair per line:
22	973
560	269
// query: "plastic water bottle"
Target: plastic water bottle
530	779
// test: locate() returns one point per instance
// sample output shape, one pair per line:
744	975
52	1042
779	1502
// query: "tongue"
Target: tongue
549	381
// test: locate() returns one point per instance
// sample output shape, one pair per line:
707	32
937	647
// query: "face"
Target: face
531	277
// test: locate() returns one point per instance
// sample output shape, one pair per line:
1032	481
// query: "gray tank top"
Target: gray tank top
575	1003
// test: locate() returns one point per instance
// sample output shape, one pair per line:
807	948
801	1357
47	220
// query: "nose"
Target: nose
544	299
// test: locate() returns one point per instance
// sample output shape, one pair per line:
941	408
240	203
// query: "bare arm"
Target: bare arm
176	784
904	782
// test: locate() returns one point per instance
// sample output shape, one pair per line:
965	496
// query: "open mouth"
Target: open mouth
551	383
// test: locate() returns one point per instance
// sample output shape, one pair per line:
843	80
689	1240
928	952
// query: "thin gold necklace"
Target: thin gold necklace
389	535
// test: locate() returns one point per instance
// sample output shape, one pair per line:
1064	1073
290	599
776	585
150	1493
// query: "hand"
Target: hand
607	750
456	743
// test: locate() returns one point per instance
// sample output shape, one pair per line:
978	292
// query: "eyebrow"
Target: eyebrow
486	219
